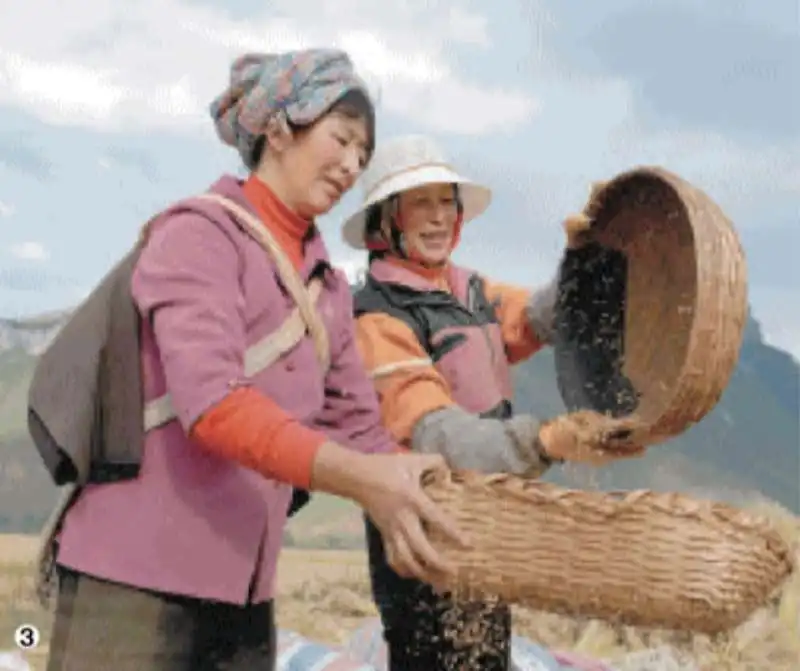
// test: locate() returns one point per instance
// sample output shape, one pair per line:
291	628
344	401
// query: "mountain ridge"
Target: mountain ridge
748	446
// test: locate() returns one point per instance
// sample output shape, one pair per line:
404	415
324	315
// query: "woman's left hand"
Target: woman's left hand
577	225
589	437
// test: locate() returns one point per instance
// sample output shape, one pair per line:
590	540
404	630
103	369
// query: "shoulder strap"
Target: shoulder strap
289	276
257	357
477	301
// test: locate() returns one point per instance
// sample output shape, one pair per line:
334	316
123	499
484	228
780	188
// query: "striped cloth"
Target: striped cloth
296	653
13	661
365	651
302	85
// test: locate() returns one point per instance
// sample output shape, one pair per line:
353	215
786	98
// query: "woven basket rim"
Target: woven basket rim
667	177
640	558
614	503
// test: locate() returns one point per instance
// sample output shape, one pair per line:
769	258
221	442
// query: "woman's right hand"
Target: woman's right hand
388	487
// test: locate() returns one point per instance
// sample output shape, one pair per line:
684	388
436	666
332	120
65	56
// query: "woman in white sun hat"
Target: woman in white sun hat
438	341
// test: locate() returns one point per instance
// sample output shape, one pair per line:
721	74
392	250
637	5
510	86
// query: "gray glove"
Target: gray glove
541	311
486	445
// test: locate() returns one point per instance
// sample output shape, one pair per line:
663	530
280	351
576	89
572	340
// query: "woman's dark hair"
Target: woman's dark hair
371	228
356	105
352	105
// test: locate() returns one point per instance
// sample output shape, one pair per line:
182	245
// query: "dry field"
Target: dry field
324	595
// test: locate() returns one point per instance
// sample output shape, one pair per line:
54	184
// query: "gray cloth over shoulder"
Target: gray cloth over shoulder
85	428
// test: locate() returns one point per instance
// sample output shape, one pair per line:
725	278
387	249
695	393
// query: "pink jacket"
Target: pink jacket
194	524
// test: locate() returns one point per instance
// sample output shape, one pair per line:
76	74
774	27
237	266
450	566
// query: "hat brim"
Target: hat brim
475	198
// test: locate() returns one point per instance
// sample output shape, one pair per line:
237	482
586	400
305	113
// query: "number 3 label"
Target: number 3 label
27	637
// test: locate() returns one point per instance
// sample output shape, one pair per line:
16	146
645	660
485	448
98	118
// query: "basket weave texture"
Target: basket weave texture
638	558
651	309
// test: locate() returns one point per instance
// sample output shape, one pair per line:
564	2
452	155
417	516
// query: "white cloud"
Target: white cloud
159	63
75	90
736	175
30	251
471	28
714	160
6	210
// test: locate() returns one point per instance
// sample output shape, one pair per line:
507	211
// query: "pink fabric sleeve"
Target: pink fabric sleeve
256	432
186	283
352	412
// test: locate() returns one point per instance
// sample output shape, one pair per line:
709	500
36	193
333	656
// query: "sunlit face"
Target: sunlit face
323	162
428	216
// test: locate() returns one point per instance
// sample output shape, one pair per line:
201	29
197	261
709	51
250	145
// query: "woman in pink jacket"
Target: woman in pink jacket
175	569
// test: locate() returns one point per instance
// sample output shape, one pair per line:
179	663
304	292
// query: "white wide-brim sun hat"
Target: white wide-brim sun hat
405	163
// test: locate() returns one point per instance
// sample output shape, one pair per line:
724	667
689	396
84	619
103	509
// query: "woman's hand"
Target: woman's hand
589	437
394	500
388	488
576	226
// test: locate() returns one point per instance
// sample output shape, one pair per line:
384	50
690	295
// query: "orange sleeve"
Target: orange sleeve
251	429
408	385
518	335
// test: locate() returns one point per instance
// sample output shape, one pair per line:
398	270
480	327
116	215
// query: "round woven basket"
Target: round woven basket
637	558
652	308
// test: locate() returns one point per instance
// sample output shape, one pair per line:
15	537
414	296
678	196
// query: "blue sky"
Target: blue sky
103	119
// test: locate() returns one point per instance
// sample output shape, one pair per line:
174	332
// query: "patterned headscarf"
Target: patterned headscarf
302	85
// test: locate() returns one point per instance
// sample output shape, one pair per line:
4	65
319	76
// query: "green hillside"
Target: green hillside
749	444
